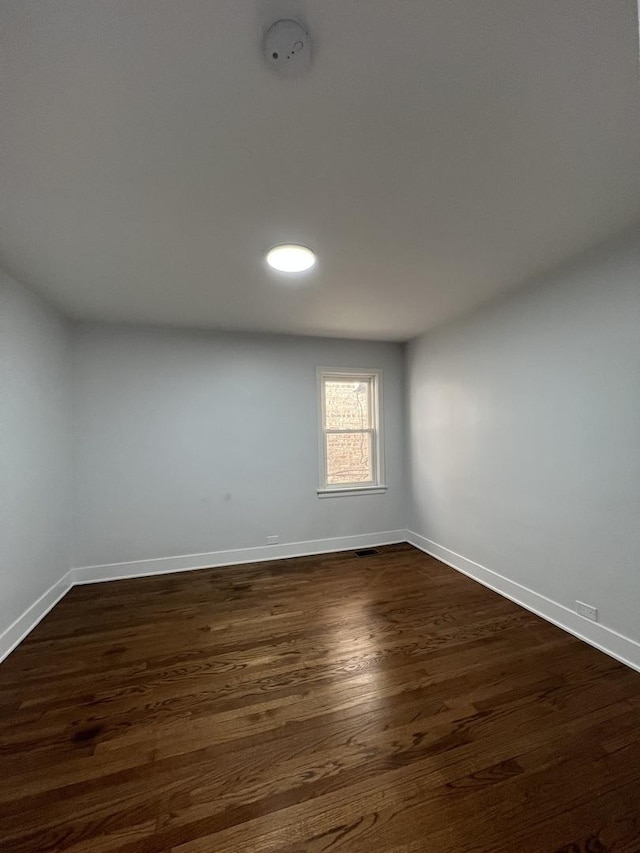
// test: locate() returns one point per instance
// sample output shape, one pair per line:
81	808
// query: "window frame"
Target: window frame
377	485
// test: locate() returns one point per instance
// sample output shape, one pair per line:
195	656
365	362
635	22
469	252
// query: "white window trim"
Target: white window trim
378	486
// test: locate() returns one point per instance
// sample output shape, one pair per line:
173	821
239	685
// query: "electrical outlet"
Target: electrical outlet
273	540
587	611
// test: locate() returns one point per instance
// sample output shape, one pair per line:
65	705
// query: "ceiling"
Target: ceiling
437	153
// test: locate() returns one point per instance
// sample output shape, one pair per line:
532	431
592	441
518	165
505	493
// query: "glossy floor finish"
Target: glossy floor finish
335	703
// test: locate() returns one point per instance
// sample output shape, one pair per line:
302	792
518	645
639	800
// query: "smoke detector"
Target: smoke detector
287	48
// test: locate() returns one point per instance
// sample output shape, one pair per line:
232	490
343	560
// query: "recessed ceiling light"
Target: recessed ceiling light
290	258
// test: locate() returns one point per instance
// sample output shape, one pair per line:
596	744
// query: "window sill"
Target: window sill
352	491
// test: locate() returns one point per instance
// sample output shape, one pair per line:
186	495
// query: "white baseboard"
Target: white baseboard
24	624
605	639
236	556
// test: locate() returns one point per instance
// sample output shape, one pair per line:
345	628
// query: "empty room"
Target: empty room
319	426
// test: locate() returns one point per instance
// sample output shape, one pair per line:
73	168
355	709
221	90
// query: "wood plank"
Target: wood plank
337	703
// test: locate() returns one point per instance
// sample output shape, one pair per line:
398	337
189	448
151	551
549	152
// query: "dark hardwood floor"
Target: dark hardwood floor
334	703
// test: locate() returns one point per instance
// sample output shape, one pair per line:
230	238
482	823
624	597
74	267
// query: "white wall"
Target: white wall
524	428
191	442
35	449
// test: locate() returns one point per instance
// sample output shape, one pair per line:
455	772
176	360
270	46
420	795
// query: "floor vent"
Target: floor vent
367	552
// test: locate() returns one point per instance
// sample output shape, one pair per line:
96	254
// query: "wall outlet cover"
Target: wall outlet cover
587	611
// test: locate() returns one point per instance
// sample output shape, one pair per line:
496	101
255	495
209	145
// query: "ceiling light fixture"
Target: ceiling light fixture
290	258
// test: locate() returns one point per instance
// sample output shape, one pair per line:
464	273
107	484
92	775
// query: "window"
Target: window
350	435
